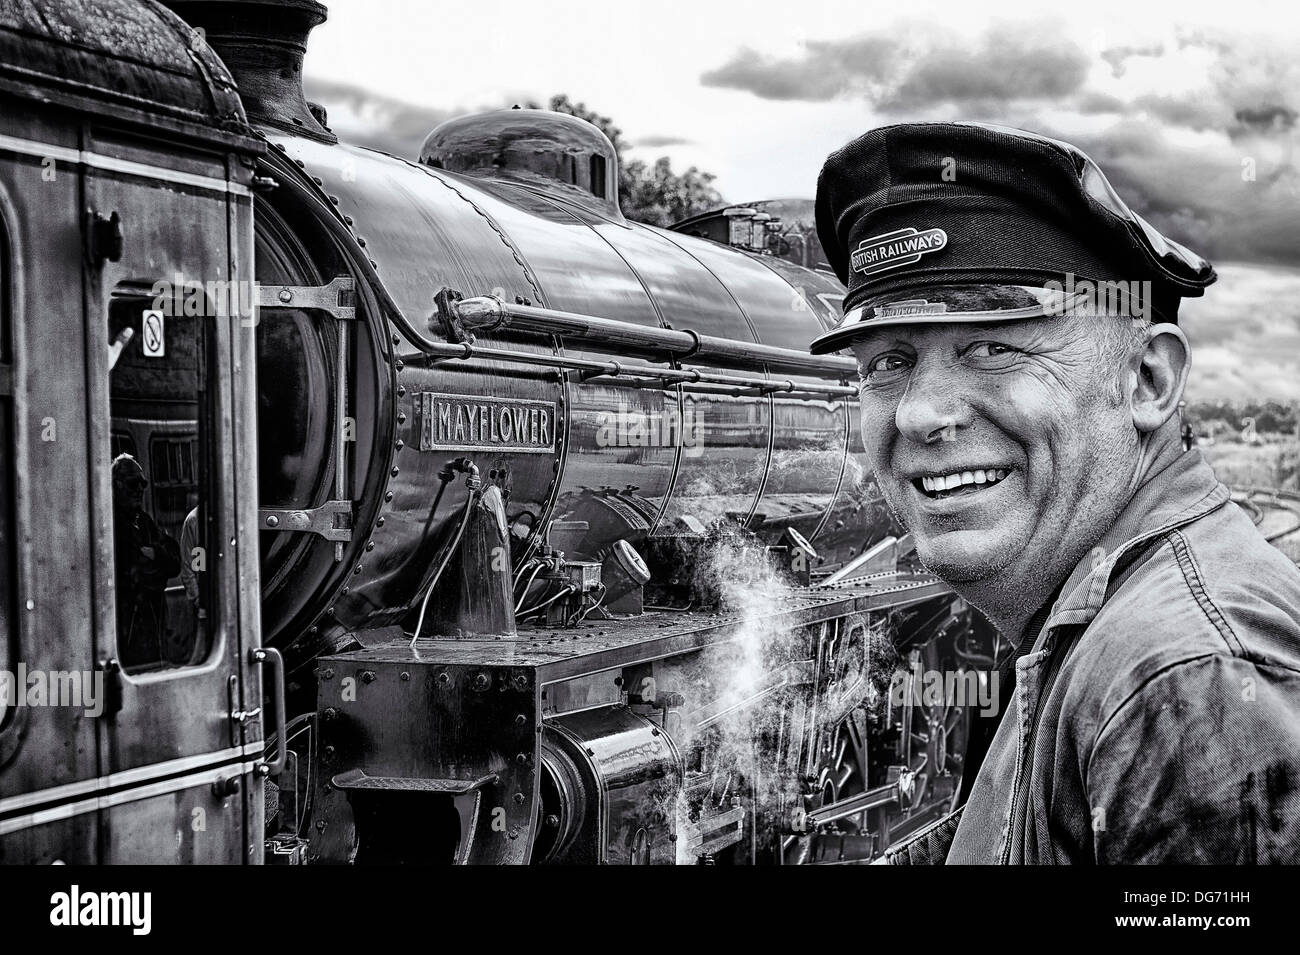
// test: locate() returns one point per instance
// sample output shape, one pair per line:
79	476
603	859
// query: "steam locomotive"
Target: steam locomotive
503	529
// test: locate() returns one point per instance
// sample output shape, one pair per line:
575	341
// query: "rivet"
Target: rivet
518	798
405	677
334	199
272	521
401	391
368	676
361	241
400	444
327	674
401	417
379	521
399	364
356	569
388	495
348	220
522	759
396	471
285	296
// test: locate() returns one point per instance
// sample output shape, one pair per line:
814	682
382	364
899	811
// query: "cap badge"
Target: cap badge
893	249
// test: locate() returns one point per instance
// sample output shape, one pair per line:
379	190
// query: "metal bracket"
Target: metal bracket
338	298
332	520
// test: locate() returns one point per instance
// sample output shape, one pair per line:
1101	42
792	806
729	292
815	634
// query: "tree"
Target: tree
654	194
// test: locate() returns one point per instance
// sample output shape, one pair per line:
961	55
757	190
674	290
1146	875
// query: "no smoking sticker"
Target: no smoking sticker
155	341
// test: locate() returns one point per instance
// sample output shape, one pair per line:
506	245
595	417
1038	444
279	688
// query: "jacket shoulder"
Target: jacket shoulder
1211	588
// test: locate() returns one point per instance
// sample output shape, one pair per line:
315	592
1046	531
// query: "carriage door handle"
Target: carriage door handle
264	656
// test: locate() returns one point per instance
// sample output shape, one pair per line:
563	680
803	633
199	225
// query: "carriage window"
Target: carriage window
160	406
8	551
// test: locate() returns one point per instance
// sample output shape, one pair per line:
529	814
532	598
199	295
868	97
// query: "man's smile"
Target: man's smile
967	481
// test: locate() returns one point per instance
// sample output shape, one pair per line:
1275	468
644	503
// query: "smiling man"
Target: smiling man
1021	366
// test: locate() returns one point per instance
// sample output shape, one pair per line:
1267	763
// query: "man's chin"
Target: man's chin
962	561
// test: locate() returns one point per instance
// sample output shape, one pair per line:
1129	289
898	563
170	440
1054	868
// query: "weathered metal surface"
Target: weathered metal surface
594	647
122	58
79	81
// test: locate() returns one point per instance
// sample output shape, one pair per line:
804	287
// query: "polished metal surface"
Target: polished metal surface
630	455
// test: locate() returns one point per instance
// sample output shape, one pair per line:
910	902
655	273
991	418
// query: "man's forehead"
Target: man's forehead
944	331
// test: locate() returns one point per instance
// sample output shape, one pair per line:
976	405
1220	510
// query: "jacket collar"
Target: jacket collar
1183	492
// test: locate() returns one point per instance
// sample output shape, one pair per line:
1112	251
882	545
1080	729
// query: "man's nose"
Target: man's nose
931	408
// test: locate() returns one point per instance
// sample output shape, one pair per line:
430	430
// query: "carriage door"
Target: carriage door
182	736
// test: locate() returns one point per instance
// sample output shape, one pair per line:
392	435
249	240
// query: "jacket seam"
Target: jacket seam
1185	661
1192	577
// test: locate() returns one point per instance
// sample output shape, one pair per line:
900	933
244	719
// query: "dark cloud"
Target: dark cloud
1092	101
658	142
378	122
1008	63
1245	336
1267	118
1215	165
907	67
826	70
1118	56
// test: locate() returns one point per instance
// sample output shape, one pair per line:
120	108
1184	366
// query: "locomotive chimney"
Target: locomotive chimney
262	43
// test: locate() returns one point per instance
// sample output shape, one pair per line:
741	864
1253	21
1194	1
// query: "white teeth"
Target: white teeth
947	482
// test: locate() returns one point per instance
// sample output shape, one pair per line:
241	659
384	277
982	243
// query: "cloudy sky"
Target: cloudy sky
1191	109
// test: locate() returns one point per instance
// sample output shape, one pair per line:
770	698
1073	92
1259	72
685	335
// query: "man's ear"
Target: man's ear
1161	376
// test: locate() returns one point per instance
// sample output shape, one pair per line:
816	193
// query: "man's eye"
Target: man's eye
883	366
990	350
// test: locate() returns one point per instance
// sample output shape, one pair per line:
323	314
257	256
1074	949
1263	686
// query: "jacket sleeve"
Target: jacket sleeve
929	846
1200	764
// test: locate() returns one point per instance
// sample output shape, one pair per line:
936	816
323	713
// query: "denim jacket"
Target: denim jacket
1156	718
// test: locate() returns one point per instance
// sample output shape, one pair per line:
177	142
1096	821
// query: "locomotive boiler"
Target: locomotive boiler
566	541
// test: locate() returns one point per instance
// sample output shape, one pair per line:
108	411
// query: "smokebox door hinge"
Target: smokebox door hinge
338	298
332	520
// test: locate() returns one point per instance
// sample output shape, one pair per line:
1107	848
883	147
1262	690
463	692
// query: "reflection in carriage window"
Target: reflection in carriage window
158	387
8	554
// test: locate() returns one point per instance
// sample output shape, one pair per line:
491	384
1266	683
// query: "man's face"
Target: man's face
128	487
1026	415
